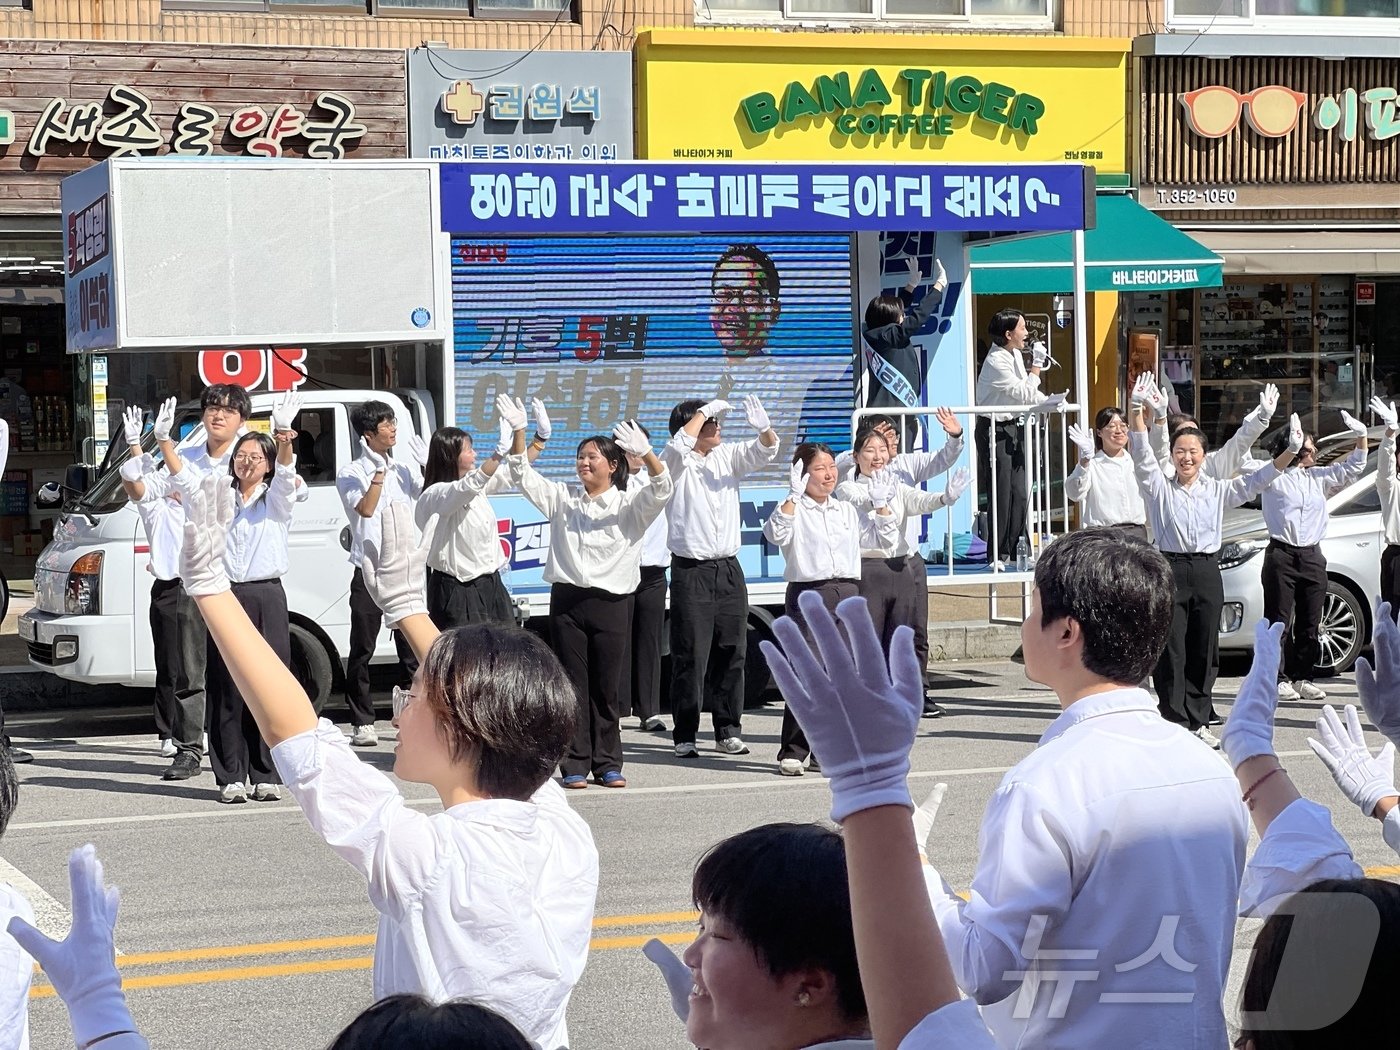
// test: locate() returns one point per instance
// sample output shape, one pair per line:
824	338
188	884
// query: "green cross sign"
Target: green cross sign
7	127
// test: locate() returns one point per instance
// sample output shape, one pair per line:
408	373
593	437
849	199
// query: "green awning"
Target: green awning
1130	249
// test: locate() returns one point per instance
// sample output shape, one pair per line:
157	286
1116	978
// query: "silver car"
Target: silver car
1352	548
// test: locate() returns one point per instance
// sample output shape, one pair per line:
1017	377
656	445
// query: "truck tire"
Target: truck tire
312	666
758	680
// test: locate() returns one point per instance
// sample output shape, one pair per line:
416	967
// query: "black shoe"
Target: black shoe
184	767
1215	720
19	756
1018	657
932	710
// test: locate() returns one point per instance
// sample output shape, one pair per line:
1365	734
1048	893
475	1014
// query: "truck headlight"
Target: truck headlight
1237	552
83	594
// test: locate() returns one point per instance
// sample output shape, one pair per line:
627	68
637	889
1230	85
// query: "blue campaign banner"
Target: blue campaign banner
669	197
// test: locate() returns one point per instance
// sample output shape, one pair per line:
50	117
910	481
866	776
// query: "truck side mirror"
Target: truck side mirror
78	477
49	497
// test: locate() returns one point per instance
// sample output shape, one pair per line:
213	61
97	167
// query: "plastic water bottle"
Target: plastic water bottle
1023	555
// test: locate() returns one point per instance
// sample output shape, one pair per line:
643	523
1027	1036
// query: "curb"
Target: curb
971	641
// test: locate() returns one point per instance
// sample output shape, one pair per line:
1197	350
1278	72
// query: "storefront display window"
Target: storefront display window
1196	10
896	10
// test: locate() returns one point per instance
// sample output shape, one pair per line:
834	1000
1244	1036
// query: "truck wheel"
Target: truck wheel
311	665
758	680
4	596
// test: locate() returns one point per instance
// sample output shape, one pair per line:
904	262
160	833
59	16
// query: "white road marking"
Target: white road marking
50	916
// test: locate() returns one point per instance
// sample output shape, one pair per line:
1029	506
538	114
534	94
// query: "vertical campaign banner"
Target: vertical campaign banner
611	327
89	303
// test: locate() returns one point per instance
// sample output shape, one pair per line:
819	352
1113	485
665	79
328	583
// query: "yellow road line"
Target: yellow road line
1382	872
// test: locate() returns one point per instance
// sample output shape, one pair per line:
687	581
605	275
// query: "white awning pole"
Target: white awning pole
1081	333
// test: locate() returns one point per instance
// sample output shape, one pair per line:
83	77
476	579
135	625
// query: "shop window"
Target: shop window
1305	14
511	9
890	10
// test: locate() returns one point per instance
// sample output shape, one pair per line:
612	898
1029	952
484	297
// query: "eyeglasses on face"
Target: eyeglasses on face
249	461
388	424
402	698
1272	111
221	410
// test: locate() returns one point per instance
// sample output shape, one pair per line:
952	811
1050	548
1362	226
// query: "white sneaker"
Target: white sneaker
266	792
1308	691
655	724
167	747
364	736
791	767
233	793
687	749
204	743
732	745
1208	737
1287	692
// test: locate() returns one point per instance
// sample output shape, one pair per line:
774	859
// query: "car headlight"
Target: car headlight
1237	552
83	594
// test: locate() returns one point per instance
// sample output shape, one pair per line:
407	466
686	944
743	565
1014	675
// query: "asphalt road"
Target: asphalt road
239	928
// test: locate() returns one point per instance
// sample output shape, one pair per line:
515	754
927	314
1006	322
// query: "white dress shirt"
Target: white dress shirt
1187	519
256	547
705	510
823	541
1107	491
594	541
908	503
1225	462
195	462
490	901
1299	847
1116	824
352	481
1003	380
1295	503
655	551
465	544
16	972
1388	488
956	1026
164	522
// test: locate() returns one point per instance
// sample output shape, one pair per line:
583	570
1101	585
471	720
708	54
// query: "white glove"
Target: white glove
376	460
1083	439
1249	731
882	488
797	481
957	485
1378	682
543	427
209	512
679	979
165	419
82	967
1040	355
136	467
714	409
1268	400
1156	399
1363	779
631	438
396	568
1054	403
132	420
914	275
756	414
940	275
512	410
505	441
1385	413
1295	434
1142	389
925	815
418	449
1353	424
284	412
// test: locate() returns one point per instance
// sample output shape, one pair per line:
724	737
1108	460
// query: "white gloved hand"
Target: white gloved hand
631	438
957	485
209	512
1249	731
1083	439
1364	779
137	467
132	421
504	442
1156	398
1295	434
1378	678
940	275
1142	387
756	414
679	979
926	814
1353	424
914	275
165	419
512	410
418	449
1040	355
1053	403
82	967
882	488
797	481
377	460
284	412
714	409
1268	400
543	427
396	568
1385	412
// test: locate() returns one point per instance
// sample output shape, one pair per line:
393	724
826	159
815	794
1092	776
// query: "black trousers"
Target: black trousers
918	569
452	603
1012	494
237	751
181	643
709	643
891	589
793	742
642	687
592	633
365	621
1390	578
1184	672
1295	584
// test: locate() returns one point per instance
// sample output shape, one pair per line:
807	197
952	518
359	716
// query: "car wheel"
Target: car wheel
311	666
1342	633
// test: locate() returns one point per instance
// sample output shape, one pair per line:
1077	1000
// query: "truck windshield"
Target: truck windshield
106	494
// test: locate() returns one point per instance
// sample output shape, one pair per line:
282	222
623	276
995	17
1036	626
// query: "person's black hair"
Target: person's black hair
227	395
1320	927
864	433
413	1022
366	416
1195	432
1119	589
609	450
266	446
1002	322
883	310
1177	420
1279	445
810	450
444	449
783	890
766	272
9	789
503	699
1103	419
683	413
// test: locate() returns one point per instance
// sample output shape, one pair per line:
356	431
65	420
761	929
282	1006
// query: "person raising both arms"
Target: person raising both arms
1103	481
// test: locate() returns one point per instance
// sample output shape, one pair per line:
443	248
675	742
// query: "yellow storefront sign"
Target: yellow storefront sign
767	95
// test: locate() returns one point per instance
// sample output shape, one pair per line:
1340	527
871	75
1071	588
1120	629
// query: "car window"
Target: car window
1367	501
316	453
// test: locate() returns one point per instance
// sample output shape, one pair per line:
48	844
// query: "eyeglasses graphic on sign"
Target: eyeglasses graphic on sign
1272	111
